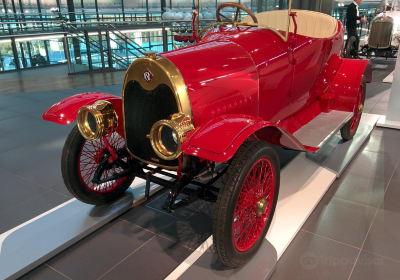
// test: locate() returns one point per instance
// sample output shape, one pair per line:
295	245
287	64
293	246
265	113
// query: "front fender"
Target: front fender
347	81
219	139
64	112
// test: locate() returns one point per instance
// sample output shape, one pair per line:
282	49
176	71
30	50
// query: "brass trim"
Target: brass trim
288	21
245	24
181	125
261	206
151	76
151	54
284	38
198	16
360	108
104	116
164	72
265	26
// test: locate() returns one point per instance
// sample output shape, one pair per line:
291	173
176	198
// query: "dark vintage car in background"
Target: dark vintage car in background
215	110
383	38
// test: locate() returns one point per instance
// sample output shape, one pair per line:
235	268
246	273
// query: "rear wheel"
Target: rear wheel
81	159
246	203
350	128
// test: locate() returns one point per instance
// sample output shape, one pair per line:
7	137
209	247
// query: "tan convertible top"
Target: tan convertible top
312	24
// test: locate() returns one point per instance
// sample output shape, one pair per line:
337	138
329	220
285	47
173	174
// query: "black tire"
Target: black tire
242	163
72	178
351	51
346	132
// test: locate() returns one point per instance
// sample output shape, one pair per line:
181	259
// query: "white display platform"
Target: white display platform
303	184
208	266
37	240
392	118
383	122
389	78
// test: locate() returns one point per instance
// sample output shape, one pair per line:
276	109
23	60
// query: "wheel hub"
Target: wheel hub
261	206
100	155
360	108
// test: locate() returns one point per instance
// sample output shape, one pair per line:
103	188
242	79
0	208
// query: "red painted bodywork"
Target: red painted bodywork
263	87
64	112
248	83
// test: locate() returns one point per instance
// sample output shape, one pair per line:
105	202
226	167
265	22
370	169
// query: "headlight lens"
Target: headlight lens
96	120
164	139
91	122
167	136
174	137
87	124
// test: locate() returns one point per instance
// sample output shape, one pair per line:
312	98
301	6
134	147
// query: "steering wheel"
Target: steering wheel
383	5
238	7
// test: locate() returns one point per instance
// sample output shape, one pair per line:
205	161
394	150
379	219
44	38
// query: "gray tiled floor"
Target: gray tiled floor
30	156
311	256
352	234
377	95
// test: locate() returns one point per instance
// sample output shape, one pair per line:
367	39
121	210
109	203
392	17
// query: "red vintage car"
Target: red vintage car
275	78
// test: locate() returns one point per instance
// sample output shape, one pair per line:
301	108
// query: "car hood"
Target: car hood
220	76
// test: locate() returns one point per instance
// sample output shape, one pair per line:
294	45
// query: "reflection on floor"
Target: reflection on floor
378	93
44	79
354	233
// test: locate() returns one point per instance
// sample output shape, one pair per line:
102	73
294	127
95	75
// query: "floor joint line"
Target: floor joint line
57	271
373	219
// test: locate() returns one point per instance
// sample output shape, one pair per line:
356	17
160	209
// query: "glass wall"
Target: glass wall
10	7
29	6
112	10
6	56
108	50
2	9
31	53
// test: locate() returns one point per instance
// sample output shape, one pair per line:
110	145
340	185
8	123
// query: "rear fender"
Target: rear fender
64	112
219	139
347	81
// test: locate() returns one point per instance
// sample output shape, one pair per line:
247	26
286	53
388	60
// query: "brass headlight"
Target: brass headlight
167	136
96	120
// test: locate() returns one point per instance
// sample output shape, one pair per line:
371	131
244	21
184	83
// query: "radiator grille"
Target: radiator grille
142	109
380	35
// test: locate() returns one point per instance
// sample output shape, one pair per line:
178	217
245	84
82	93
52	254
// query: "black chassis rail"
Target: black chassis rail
204	190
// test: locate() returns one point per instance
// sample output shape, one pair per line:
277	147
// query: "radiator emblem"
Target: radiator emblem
147	76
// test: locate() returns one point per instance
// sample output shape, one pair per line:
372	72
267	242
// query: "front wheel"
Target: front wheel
246	203
82	158
350	128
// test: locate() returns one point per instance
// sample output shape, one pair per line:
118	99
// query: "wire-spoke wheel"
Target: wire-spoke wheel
246	203
80	161
350	128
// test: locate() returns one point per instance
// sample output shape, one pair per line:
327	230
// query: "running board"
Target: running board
322	128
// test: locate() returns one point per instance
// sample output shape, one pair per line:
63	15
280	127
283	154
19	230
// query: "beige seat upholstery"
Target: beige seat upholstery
309	23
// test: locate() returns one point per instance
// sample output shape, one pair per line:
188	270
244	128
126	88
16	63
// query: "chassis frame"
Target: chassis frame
176	184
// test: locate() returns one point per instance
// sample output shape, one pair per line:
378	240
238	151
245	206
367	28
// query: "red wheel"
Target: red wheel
91	155
350	128
254	204
246	203
357	109
82	160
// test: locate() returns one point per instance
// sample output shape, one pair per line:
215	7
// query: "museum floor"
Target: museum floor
354	232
